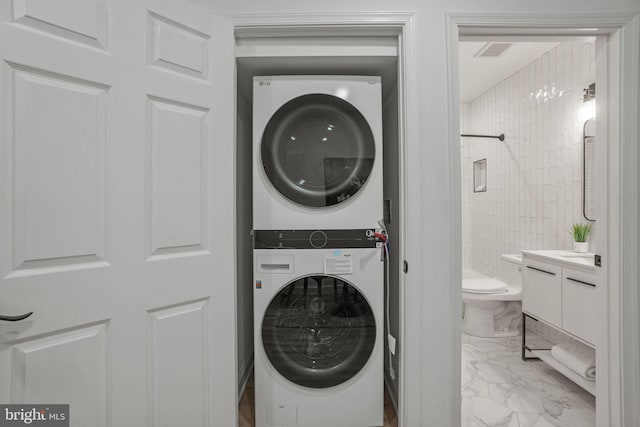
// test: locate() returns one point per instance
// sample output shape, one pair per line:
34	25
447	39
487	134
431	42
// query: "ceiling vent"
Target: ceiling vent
492	50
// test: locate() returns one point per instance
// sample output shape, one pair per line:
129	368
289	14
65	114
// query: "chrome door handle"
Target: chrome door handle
15	318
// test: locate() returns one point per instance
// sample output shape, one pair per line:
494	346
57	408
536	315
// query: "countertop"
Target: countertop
567	258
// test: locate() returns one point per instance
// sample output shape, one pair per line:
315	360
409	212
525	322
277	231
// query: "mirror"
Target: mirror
588	170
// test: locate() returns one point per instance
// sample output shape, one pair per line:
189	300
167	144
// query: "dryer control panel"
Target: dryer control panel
315	239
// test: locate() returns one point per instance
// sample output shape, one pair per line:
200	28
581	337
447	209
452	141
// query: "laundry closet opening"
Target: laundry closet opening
318	56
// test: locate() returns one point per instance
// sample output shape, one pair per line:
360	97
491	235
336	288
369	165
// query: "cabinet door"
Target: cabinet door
542	293
579	304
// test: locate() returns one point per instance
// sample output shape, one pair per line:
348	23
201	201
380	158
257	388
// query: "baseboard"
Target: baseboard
244	374
392	393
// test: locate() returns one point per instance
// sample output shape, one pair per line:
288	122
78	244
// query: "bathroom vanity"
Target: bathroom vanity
559	289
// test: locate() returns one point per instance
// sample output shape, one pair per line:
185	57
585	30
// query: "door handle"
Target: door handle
15	318
580	281
541	270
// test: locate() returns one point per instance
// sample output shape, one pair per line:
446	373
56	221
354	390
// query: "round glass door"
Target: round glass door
317	150
318	331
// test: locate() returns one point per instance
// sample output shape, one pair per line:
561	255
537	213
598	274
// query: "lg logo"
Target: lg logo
263	83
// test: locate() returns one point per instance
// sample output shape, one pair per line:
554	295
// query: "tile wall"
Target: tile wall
534	177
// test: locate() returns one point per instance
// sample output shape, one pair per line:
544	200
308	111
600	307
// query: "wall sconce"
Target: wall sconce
589	93
588	108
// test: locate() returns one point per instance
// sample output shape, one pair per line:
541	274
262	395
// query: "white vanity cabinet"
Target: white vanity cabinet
560	289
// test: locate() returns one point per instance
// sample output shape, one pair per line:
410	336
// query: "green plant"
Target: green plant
580	232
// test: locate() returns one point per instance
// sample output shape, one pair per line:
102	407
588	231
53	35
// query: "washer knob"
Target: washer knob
318	239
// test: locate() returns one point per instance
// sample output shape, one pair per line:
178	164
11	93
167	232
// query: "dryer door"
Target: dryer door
318	331
317	150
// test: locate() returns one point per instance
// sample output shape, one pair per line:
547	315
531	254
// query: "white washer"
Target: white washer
317	152
318	333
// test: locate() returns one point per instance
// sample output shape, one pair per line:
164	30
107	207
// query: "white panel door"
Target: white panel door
116	211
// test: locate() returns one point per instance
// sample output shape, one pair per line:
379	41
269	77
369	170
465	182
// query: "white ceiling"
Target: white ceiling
477	75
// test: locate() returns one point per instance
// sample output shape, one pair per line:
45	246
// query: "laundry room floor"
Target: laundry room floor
246	409
500	389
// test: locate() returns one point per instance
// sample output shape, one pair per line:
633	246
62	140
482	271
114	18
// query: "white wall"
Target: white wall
534	176
244	248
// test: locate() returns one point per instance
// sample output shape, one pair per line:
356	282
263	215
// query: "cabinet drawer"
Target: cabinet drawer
579	315
542	291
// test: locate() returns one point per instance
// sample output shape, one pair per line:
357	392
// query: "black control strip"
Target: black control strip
315	239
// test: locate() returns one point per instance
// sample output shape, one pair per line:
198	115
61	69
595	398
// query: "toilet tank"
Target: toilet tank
510	270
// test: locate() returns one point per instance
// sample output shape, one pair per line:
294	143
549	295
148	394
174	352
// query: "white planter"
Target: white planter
581	247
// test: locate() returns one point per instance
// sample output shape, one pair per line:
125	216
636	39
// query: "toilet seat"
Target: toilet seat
483	285
489	289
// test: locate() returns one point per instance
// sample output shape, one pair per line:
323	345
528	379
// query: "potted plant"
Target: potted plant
580	233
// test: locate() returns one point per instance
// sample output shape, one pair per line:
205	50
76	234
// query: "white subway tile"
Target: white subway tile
535	176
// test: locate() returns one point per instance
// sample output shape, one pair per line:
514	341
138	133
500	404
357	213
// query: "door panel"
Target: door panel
177	175
116	211
542	291
179	389
87	24
63	149
41	369
178	47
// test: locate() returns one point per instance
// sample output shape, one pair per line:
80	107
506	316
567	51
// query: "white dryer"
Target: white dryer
317	152
318	329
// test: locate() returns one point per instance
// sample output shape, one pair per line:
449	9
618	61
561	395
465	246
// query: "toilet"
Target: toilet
493	305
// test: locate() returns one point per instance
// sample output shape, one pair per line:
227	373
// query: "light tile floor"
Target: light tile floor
501	390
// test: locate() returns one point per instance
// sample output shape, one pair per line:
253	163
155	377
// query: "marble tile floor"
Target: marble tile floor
501	390
246	410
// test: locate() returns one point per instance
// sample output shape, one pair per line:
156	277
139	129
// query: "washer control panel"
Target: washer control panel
315	239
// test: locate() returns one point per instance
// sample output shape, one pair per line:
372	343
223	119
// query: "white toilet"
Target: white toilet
492	306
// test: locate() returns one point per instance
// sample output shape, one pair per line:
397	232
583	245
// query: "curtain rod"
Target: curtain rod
500	137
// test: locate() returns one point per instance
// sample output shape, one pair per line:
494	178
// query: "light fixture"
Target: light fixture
589	93
588	109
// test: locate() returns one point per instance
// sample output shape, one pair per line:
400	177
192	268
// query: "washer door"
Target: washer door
318	331
317	150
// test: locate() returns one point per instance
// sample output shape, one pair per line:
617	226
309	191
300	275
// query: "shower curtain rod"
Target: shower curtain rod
500	137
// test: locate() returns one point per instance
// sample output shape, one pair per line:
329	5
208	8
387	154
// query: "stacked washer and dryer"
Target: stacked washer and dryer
318	267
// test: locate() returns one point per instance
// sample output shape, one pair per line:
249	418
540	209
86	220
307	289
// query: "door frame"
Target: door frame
400	25
619	393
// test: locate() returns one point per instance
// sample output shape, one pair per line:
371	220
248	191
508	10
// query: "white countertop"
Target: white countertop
568	258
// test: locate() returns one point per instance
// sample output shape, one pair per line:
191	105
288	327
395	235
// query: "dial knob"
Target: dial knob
318	239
